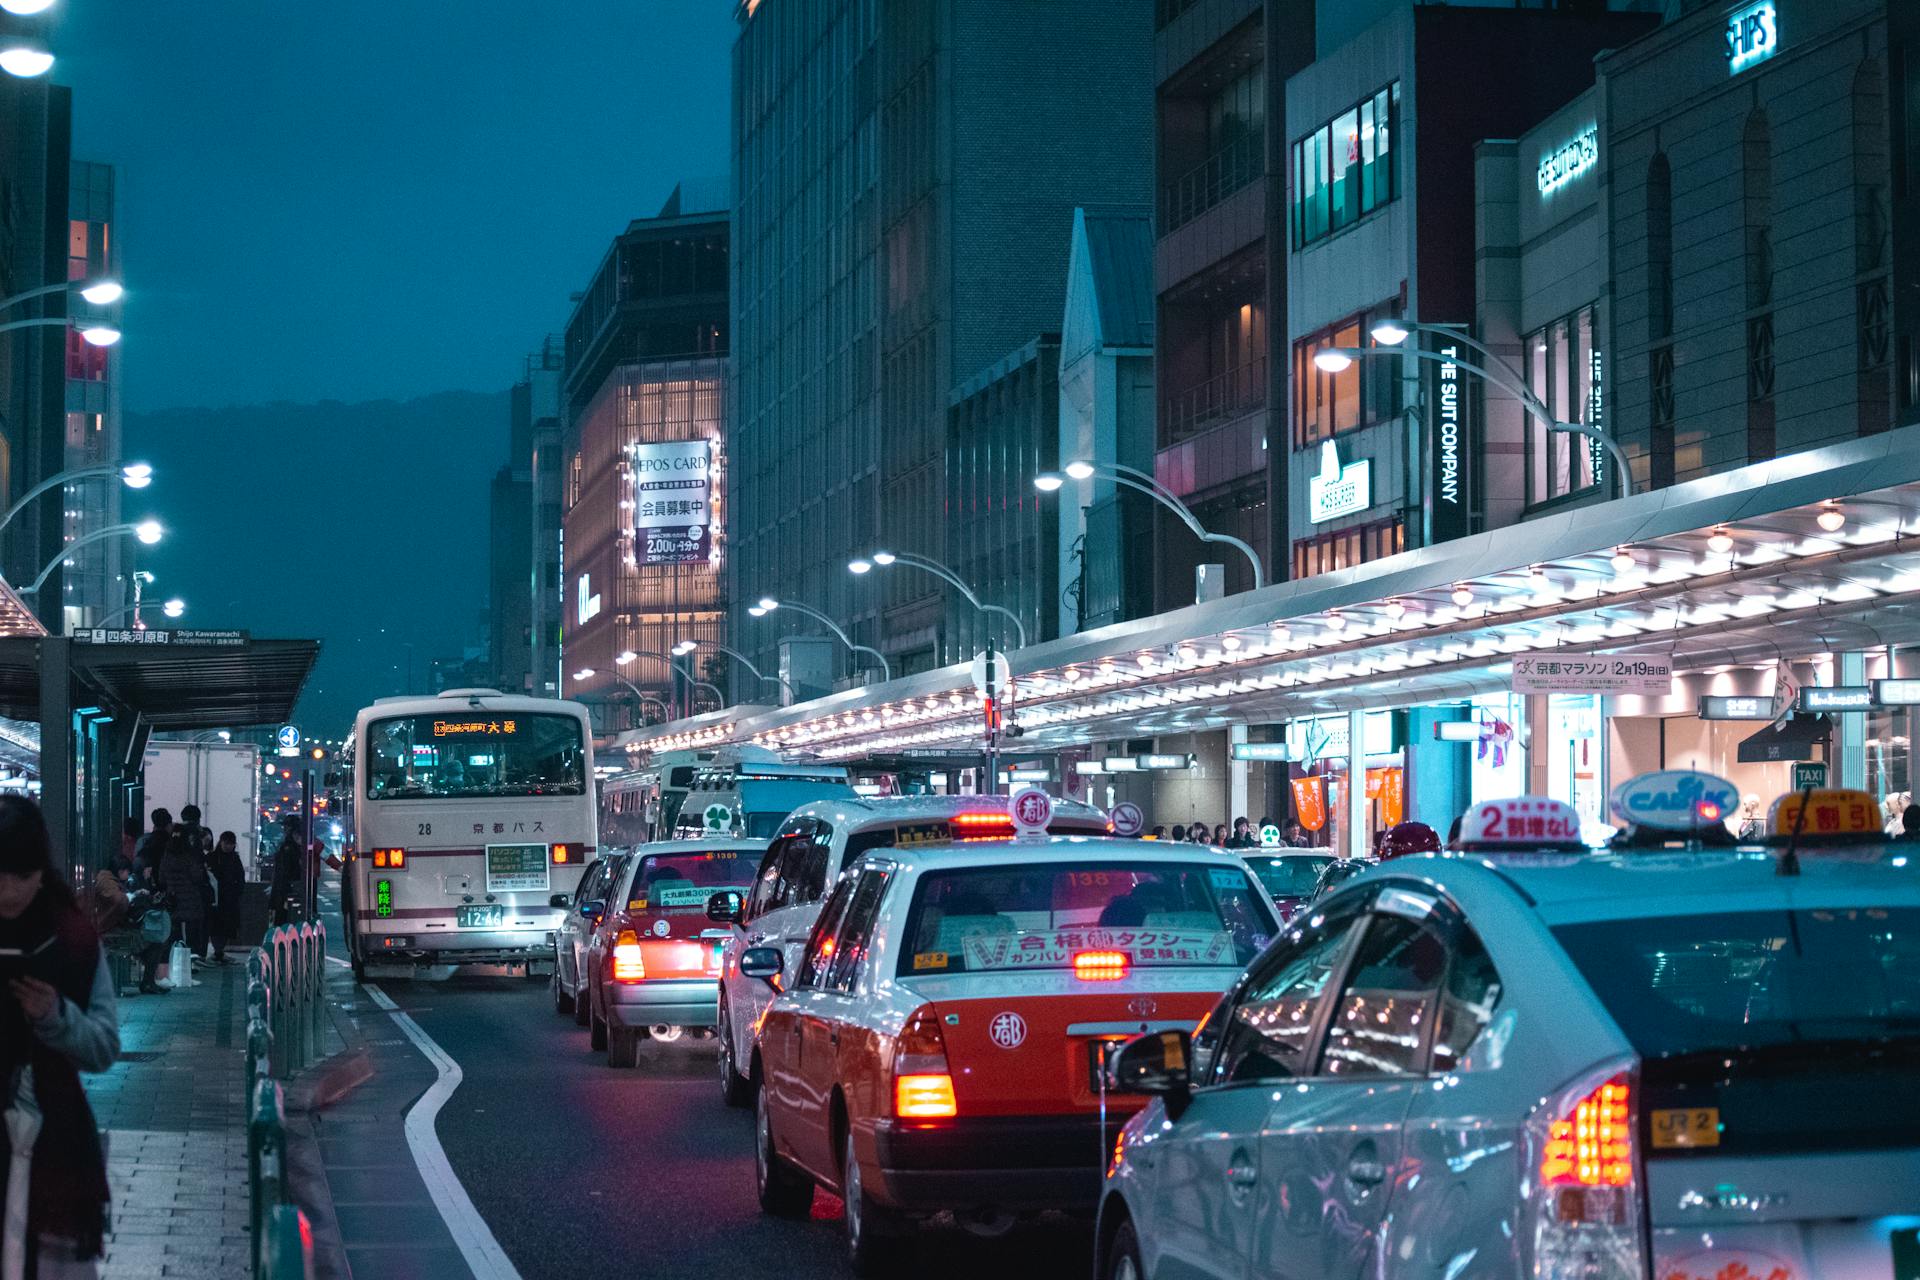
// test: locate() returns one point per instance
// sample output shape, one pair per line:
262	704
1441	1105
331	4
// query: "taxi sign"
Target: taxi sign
1269	837
1830	811
1522	822
1127	819
1032	811
1675	800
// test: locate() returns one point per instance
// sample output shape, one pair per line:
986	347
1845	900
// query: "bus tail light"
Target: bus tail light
628	965
562	854
1100	966
394	858
922	1082
1585	1209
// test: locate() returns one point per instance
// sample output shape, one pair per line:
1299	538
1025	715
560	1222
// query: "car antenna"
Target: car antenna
1789	864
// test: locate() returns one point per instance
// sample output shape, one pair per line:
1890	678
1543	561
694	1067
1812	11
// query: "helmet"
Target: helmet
1406	838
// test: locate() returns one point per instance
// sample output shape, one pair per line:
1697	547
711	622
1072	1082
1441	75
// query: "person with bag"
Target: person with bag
183	874
229	880
147	911
57	1019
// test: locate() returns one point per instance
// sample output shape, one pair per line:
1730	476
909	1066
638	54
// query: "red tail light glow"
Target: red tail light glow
981	826
1100	966
628	966
395	858
562	854
924	1097
922	1082
1592	1145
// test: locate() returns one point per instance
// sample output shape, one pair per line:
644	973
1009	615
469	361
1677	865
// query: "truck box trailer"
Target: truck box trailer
223	778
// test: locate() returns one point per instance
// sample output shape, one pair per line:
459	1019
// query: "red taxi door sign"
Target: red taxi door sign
1032	811
1530	822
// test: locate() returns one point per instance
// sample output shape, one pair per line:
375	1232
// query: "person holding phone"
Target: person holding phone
57	1019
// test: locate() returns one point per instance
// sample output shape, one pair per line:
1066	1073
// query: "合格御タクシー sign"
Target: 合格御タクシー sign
1649	675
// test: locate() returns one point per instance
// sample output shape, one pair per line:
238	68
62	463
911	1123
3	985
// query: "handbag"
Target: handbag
156	925
179	967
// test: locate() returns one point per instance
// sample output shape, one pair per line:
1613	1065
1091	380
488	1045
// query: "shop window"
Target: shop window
1345	548
1560	371
1345	169
1366	392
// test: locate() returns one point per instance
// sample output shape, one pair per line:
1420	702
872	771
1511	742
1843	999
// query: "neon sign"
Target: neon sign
450	728
1558	168
1753	35
586	600
1337	490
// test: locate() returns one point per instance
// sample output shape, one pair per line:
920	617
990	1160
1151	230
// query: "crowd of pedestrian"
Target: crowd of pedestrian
176	883
1242	835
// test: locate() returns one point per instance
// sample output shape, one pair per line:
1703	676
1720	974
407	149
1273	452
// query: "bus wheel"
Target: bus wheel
359	967
623	1046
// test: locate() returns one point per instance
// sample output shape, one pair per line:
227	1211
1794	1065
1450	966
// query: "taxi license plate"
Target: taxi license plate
1098	1054
1686	1127
487	917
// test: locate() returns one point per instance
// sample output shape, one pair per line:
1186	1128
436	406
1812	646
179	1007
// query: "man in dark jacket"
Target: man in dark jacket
289	874
183	874
147	856
230	879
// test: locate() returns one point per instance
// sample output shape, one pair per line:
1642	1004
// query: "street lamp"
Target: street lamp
628	655
173	608
101	293
588	673
866	564
767	604
779	681
147	531
1140	481
1391	334
25	57
135	475
99	335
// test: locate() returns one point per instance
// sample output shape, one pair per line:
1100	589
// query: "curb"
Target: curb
315	1090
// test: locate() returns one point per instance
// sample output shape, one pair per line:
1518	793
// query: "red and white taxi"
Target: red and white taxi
940	1045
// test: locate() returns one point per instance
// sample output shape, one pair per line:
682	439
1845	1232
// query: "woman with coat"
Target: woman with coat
57	1019
183	874
229	879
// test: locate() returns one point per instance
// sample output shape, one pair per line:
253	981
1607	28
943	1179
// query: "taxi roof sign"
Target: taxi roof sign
1828	812
1675	800
1032	811
1536	823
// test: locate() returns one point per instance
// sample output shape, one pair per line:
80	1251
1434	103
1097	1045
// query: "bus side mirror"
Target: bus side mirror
724	907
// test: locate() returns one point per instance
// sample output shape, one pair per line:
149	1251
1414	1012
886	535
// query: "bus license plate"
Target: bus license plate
488	917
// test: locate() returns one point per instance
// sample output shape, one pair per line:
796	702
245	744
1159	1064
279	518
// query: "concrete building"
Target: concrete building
509	647
546	584
92	587
905	177
644	511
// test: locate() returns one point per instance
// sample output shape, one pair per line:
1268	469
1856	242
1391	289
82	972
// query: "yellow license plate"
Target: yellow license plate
1687	1127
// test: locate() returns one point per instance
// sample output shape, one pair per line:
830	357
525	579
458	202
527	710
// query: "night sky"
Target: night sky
354	201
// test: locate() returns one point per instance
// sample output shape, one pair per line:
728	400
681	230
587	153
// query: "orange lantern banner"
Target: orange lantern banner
1393	796
1310	802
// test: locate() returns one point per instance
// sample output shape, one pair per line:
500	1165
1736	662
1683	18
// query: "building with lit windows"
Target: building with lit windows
93	586
544	583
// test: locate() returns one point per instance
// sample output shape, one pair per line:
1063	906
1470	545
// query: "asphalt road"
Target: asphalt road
583	1170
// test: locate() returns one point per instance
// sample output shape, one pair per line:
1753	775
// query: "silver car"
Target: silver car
1612	1066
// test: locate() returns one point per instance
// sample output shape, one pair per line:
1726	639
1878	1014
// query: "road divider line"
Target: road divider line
483	1254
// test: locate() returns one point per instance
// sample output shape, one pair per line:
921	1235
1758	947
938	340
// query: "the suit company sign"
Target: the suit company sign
1447	401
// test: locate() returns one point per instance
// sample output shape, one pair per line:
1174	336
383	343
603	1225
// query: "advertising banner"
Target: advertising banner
1310	802
673	501
1449	442
1649	675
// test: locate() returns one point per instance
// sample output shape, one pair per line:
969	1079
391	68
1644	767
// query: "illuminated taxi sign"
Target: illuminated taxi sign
908	835
1675	800
457	728
1829	811
1521	822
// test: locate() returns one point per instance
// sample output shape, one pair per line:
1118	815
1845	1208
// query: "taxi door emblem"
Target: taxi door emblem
1143	1007
1009	1030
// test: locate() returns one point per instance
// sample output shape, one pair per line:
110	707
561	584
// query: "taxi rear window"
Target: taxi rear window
1040	916
1291	876
664	881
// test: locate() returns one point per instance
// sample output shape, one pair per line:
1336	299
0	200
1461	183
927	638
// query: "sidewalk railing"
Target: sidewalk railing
286	979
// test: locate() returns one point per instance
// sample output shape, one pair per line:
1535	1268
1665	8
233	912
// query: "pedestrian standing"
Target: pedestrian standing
1220	834
230	879
123	862
146	858
1297	836
289	874
57	1019
1242	837
183	874
1197	833
1179	834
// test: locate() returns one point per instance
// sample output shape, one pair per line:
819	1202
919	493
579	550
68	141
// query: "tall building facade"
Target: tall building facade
545	585
644	511
509	643
92	588
905	177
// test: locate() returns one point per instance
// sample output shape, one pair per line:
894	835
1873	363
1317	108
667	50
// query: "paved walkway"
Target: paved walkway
174	1107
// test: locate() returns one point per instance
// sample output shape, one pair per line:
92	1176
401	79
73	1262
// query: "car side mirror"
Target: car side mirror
724	907
763	963
560	900
593	911
1156	1064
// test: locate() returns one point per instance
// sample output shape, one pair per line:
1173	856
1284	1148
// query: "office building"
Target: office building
93	587
510	560
545	584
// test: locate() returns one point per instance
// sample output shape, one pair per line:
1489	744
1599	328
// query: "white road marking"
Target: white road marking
344	964
483	1254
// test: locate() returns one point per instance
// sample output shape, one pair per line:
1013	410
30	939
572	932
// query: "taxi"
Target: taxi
1678	1057
653	962
940	1045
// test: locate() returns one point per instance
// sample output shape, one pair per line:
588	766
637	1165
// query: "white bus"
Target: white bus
472	813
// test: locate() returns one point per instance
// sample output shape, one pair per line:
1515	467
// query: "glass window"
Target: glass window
1344	169
1472	994
473	755
1288	875
1380	1016
1267	1033
858	929
676	881
1559	368
766	885
816	961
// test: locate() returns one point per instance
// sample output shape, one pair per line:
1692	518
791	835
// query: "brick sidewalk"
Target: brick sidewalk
175	1108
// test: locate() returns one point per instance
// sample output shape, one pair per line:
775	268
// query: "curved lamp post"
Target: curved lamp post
767	604
148	531
779	681
173	608
99	335
628	655
1392	333
883	559
135	475
1140	481
666	712
100	293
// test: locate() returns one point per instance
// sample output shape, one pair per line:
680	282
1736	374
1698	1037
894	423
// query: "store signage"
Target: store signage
1338	491
159	635
1450	513
1120	764
1753	35
586	601
1262	751
1163	762
1310	802
1558	168
1845	697
1090	768
1896	693
1715	706
1597	415
1648	675
1320	737
673	501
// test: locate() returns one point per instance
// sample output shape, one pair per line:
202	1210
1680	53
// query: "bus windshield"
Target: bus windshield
474	754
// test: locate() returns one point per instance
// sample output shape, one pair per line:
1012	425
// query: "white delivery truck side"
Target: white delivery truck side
222	778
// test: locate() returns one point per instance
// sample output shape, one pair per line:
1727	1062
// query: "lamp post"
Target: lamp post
779	681
99	335
148	531
666	712
767	604
1140	481
100	293
135	475
628	655
883	559
1392	333
173	608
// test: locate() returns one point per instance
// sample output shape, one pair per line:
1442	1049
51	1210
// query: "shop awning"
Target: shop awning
170	686
1791	739
1739	568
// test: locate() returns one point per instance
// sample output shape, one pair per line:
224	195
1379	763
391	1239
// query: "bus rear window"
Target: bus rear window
664	881
474	754
1038	917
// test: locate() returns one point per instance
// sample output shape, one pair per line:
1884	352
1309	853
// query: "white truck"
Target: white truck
223	778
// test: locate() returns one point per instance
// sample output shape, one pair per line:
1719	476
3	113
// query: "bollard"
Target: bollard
266	1160
288	1254
259	1054
317	981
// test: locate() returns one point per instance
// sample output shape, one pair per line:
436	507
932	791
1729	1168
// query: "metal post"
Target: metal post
1850	731
1236	777
56	746
1357	784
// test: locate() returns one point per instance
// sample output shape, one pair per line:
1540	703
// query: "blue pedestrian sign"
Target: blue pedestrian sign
288	737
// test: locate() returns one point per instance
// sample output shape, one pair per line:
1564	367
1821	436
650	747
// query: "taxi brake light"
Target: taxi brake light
922	1081
924	1097
1100	966
628	966
1592	1144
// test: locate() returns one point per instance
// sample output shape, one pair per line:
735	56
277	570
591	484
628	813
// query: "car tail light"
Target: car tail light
628	966
1100	966
922	1082
1585	1198
562	854
981	826
394	858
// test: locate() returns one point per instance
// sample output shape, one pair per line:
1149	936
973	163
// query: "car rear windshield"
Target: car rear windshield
664	881
1288	877
1037	917
1753	979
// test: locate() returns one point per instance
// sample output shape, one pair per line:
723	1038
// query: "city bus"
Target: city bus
472	814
